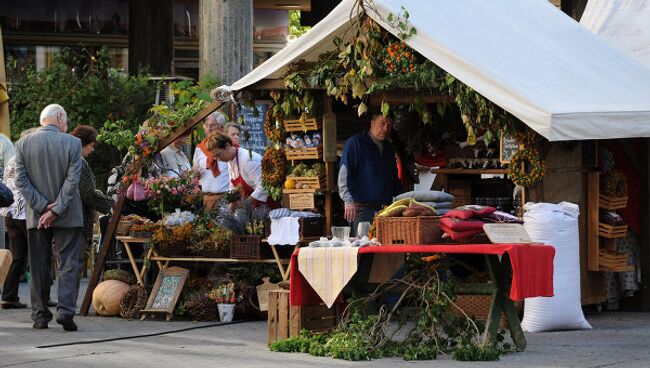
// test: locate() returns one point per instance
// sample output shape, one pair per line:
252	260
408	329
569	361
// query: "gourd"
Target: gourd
107	297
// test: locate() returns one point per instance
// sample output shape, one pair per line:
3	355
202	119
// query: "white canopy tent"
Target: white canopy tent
526	56
624	24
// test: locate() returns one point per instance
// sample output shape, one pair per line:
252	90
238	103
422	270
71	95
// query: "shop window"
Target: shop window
76	16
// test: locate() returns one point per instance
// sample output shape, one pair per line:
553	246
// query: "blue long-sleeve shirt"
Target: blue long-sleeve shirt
368	174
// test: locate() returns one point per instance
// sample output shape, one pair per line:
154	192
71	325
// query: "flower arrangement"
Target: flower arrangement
520	160
398	58
171	241
167	193
209	238
224	293
274	168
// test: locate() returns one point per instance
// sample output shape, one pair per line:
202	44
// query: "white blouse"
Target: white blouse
210	183
250	168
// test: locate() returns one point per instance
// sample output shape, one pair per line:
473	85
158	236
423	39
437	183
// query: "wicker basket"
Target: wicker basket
123	227
215	253
245	247
408	230
171	250
478	307
202	311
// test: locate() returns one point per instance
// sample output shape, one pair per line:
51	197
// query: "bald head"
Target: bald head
54	114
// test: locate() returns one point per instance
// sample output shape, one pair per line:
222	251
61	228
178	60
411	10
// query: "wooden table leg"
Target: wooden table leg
501	303
145	263
136	271
278	262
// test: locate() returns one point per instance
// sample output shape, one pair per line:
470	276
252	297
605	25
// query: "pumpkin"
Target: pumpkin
289	184
108	295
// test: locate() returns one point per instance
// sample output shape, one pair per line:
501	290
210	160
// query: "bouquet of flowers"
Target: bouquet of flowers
224	293
168	193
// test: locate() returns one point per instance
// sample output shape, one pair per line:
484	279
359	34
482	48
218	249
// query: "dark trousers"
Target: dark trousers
17	245
68	247
362	214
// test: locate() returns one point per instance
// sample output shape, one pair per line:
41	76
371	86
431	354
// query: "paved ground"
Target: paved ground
617	340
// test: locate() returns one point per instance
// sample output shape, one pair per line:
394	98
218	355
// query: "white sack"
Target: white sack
556	225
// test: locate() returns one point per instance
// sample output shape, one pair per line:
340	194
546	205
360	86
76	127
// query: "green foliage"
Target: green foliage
295	29
422	315
91	92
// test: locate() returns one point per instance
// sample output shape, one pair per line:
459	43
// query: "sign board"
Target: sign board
166	290
254	125
301	201
506	233
507	148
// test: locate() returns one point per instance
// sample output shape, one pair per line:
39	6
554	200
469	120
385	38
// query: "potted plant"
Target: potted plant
225	297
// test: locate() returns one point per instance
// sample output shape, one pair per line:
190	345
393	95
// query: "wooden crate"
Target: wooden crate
311	153
611	203
462	192
285	321
309	227
408	230
314	182
301	126
611	232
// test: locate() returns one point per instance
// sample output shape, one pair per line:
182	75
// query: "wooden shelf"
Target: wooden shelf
309	153
601	238
214	260
468	171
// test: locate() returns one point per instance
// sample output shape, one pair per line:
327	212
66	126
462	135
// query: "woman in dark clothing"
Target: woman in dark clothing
91	198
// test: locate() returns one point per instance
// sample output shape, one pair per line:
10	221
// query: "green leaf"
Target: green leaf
385	108
362	109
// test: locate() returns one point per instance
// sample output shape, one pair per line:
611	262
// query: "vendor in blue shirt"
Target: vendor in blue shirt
368	175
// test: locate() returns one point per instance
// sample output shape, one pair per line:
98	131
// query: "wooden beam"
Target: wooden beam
107	240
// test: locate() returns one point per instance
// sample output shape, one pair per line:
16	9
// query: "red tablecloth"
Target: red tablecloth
532	267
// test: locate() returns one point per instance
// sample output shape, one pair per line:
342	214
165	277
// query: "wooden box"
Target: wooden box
462	192
310	227
314	182
300	199
301	126
310	153
285	321
408	230
611	232
611	203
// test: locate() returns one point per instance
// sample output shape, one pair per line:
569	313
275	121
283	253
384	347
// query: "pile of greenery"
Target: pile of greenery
91	92
410	317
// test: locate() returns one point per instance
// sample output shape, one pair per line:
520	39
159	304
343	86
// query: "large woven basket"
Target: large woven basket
478	307
245	247
408	230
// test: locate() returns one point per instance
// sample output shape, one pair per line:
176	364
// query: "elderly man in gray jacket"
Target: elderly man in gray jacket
48	165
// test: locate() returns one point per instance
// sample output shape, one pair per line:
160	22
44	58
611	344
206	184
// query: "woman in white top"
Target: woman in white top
214	173
244	167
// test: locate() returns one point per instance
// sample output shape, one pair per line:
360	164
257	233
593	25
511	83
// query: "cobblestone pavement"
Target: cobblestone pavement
619	339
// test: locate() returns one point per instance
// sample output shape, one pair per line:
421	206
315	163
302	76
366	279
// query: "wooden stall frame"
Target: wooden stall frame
107	242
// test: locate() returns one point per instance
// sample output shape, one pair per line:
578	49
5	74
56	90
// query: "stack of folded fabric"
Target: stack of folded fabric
463	223
285	212
440	201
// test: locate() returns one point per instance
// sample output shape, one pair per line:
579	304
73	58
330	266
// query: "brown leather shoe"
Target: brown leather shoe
12	305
